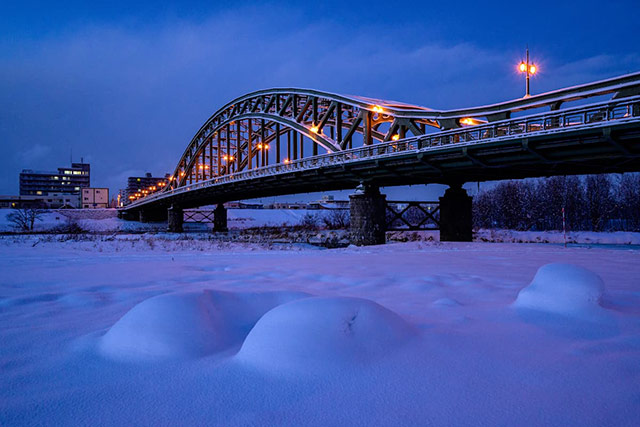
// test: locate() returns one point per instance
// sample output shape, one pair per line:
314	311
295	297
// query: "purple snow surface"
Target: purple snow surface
152	331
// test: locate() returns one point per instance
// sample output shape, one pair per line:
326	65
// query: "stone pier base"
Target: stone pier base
456	215
175	218
152	215
367	208
220	218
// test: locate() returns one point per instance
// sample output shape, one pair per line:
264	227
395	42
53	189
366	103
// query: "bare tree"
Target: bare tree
629	201
600	202
336	219
24	219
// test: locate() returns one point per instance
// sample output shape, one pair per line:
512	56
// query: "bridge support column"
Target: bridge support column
152	215
455	215
367	208
175	218
220	218
126	215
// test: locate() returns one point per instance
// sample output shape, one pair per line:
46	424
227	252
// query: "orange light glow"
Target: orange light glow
523	67
466	121
533	69
314	129
395	137
231	158
377	109
286	161
259	146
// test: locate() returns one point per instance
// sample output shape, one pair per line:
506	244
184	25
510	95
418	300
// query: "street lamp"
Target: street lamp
529	70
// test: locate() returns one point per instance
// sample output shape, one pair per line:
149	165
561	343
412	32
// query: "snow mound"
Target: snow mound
188	325
563	289
320	333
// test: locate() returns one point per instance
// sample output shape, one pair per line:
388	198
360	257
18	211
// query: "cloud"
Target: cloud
33	154
131	99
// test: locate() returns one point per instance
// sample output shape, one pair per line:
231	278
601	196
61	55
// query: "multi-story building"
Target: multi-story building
94	198
136	184
65	180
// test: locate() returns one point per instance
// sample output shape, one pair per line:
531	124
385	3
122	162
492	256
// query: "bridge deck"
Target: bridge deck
601	138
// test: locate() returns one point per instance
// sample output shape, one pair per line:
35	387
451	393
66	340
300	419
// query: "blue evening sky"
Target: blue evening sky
126	84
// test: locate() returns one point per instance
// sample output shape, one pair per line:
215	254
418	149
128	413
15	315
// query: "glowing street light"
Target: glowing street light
395	137
314	129
529	70
377	109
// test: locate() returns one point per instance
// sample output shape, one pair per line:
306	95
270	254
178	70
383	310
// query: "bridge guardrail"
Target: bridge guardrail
590	115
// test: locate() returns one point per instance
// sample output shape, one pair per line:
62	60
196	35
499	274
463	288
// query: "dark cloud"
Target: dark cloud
129	99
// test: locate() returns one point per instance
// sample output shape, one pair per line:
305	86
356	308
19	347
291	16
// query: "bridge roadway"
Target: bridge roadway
601	137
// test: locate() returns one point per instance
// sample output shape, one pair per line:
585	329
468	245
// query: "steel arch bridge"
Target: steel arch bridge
280	125
281	132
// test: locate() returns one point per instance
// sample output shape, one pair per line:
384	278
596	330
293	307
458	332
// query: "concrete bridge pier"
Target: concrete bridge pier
367	208
126	215
175	218
149	215
220	218
456	215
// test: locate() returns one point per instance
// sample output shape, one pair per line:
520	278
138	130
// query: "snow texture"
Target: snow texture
324	333
563	289
183	330
188	325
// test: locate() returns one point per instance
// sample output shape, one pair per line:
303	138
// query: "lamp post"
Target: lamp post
529	70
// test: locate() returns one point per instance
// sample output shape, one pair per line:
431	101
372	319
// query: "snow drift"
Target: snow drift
320	333
188	325
564	289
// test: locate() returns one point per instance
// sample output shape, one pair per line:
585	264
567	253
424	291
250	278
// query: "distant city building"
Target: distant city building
66	180
94	198
329	202
49	201
138	184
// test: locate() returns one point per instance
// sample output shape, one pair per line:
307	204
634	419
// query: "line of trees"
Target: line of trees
591	203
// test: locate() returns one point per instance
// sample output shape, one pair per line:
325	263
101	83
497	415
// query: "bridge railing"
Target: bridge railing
584	116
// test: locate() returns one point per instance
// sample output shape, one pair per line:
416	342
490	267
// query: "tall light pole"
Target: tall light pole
529	70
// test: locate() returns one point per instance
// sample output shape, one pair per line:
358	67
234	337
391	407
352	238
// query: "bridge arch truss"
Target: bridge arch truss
284	125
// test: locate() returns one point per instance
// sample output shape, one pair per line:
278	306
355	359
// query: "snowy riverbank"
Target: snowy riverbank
196	332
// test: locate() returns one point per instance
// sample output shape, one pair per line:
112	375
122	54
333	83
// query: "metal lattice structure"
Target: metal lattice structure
412	215
282	125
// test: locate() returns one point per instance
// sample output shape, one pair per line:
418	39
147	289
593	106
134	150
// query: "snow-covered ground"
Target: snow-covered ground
174	330
105	220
